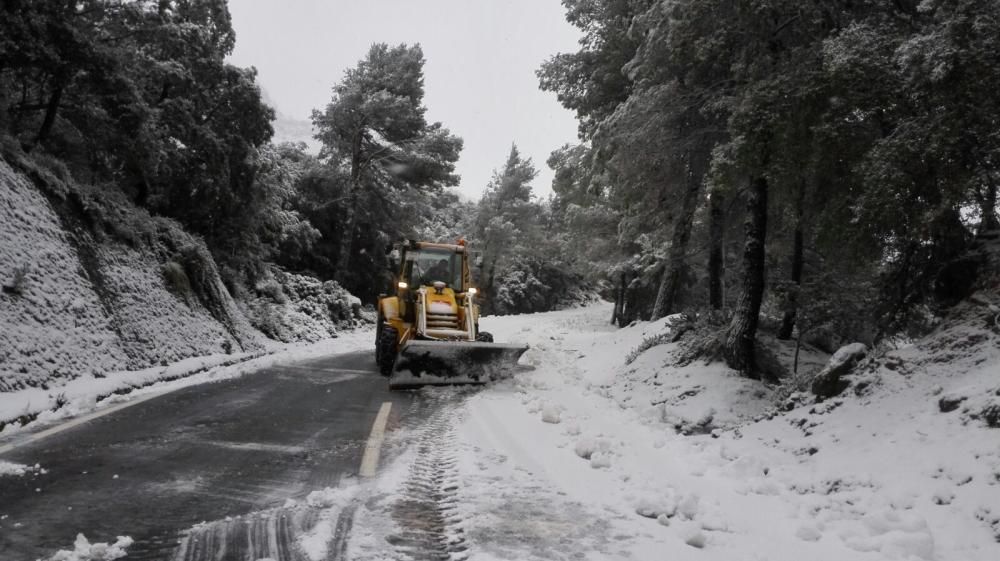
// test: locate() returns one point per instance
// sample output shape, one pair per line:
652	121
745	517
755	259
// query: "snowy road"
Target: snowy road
230	454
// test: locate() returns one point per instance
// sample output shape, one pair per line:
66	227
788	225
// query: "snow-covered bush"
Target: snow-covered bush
677	324
530	285
290	307
273	290
18	280
177	280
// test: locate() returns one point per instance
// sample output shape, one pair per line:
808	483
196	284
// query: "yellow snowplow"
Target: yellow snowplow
428	331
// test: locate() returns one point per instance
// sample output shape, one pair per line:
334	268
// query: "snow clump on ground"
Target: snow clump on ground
10	468
83	550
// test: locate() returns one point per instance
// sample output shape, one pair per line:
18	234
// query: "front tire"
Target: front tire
378	337
385	349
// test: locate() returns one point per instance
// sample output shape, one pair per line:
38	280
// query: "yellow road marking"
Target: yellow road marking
373	448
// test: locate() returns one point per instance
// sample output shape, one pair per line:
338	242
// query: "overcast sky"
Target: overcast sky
479	77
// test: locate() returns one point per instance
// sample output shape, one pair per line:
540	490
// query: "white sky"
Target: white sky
479	78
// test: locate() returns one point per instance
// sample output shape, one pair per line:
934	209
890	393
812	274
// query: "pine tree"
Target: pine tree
375	127
504	220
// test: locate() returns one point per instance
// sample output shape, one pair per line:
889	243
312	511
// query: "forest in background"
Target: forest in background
137	98
823	170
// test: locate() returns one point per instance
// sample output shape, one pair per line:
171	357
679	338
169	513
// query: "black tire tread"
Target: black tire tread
385	350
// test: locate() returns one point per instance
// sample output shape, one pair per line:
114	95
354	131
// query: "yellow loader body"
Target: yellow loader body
428	332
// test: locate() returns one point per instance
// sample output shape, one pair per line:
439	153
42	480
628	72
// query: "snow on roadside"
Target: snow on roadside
305	529
882	476
332	501
11	468
81	395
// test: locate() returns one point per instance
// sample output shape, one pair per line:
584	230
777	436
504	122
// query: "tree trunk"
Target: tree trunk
619	300
716	219
788	320
487	304
988	208
738	348
666	295
142	186
51	109
350	214
630	298
347	237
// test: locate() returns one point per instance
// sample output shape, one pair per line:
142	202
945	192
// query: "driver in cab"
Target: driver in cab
439	272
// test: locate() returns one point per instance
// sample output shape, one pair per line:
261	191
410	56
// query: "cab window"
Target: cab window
423	267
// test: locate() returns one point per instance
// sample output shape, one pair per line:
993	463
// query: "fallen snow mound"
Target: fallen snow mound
83	550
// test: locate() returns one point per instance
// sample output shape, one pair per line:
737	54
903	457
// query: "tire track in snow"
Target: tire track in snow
275	533
428	528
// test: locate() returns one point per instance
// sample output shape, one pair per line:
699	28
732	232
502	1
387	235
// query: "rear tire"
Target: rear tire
484	337
385	349
378	337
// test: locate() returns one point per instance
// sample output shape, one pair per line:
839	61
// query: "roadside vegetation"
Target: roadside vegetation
817	170
136	99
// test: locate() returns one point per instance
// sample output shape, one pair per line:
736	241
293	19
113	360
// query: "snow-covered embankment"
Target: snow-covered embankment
582	458
100	298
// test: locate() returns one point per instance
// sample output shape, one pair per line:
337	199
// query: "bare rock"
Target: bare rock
991	414
950	402
830	381
987	410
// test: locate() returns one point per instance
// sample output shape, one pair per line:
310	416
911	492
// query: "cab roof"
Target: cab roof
432	245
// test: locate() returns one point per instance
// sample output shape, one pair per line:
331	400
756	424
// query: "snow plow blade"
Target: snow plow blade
423	363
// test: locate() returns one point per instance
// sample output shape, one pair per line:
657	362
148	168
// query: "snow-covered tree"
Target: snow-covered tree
375	129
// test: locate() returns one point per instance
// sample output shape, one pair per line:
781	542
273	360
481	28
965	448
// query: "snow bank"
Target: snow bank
876	474
88	393
695	399
332	500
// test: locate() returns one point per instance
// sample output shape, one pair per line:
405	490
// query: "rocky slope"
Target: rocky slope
91	285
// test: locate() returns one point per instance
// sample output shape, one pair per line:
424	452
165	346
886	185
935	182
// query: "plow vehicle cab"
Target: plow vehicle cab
428	331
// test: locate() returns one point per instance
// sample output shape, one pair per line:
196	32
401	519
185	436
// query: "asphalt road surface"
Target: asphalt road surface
227	453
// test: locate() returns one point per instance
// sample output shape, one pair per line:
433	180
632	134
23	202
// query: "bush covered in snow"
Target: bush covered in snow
530	285
290	307
177	279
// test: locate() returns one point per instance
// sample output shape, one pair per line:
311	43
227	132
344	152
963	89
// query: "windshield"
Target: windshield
423	267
